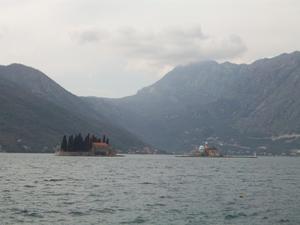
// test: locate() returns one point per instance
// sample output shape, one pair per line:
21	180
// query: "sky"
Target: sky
113	48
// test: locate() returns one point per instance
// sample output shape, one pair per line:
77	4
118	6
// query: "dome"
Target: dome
201	148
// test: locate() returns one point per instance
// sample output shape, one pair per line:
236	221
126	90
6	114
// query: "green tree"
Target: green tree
87	143
70	147
76	144
64	143
80	142
94	139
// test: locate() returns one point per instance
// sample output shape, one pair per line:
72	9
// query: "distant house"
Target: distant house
295	152
211	151
101	148
99	145
206	151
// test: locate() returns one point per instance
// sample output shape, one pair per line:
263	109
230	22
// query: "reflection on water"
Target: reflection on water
147	189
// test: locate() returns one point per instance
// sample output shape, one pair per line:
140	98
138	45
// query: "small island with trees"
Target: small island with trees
76	145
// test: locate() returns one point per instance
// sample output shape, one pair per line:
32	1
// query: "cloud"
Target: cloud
88	35
174	46
2	32
67	37
165	48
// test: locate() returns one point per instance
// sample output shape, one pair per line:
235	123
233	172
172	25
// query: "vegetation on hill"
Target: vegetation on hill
36	112
238	107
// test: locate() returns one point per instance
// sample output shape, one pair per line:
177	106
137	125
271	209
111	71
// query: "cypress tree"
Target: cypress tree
87	143
107	141
104	139
75	143
80	142
70	147
94	139
91	142
64	143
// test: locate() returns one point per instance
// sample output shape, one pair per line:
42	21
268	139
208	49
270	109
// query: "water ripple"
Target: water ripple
43	189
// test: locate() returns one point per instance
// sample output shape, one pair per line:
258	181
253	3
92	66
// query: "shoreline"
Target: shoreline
84	154
224	157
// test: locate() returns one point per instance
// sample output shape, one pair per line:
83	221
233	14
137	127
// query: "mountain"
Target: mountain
36	112
239	107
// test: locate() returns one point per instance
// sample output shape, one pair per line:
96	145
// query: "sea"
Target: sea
148	189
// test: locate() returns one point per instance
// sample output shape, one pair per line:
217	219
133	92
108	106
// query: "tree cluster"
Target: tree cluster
76	143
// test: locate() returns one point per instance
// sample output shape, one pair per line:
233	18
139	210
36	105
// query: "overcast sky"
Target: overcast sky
112	48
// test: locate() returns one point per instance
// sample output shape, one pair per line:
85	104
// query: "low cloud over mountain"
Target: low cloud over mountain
162	48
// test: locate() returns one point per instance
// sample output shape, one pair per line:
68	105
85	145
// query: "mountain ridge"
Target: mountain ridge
237	107
217	102
38	111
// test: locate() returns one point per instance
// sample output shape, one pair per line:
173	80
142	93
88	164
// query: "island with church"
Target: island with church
76	145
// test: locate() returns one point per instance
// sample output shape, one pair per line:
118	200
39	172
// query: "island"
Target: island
76	145
206	151
212	152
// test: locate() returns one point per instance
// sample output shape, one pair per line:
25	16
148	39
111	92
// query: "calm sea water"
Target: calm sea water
147	189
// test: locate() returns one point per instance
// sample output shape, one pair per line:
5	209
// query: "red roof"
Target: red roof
100	144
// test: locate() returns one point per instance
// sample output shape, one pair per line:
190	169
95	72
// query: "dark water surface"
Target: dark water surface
146	189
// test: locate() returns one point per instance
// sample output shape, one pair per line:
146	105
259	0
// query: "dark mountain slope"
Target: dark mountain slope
36	112
242	107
